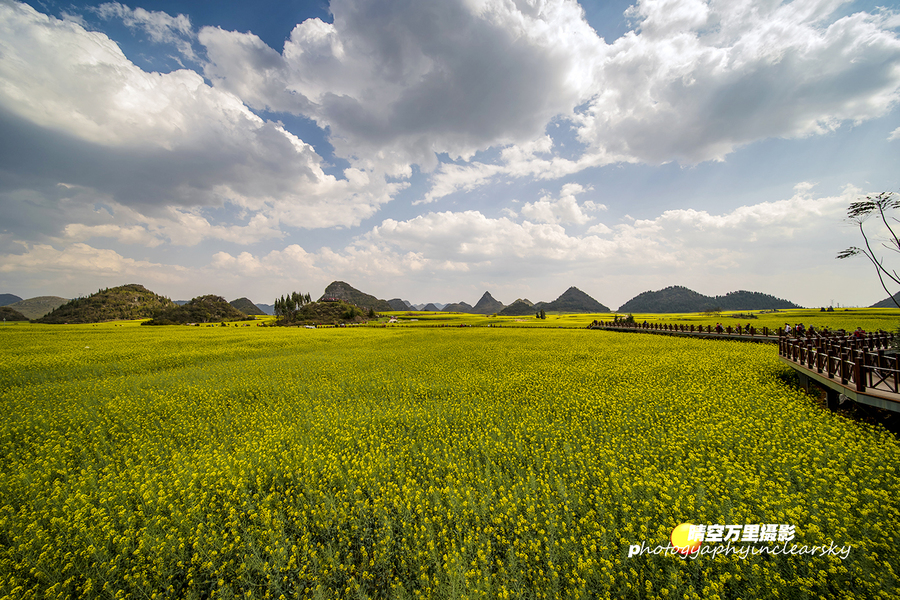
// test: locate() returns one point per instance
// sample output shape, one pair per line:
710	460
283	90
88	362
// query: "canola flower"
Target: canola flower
411	463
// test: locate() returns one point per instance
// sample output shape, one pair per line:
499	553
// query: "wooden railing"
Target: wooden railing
704	329
859	363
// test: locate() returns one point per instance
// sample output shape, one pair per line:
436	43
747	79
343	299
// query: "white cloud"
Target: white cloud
685	238
86	116
736	249
77	264
400	81
564	210
159	26
697	80
701	79
174	226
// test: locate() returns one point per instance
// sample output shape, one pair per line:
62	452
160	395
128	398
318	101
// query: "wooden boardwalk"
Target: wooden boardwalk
763	334
847	368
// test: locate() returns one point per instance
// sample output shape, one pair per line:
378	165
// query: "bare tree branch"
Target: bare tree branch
858	212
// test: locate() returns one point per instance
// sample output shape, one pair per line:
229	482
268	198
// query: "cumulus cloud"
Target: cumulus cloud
173	226
398	82
75	111
695	80
699	79
564	210
683	238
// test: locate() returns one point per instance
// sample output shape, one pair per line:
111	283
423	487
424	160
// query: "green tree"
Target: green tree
287	307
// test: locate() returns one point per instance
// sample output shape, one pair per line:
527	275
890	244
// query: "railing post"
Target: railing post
859	370
896	373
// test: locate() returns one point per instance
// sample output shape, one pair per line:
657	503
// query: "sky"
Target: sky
435	150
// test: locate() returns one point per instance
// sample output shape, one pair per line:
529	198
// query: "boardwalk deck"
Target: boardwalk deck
847	369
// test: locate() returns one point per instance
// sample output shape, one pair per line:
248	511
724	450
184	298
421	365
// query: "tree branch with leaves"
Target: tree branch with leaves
858	213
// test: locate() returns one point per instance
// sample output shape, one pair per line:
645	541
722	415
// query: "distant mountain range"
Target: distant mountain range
134	301
572	300
679	299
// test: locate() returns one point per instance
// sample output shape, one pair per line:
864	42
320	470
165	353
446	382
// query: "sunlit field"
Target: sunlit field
848	319
408	462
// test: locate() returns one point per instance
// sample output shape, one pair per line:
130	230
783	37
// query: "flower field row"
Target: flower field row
421	463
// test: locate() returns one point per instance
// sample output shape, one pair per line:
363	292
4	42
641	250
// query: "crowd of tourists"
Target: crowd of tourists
799	330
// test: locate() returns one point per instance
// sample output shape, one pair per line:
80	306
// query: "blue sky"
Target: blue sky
435	150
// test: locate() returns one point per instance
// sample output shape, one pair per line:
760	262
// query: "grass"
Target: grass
849	319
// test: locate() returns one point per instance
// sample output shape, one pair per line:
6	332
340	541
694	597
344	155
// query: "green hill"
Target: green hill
247	307
487	305
340	290
38	306
202	309
674	299
131	301
326	313
7	299
519	308
10	314
460	307
743	300
679	299
572	301
398	304
888	302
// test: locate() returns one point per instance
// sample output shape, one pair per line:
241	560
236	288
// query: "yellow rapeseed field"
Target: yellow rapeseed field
252	462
